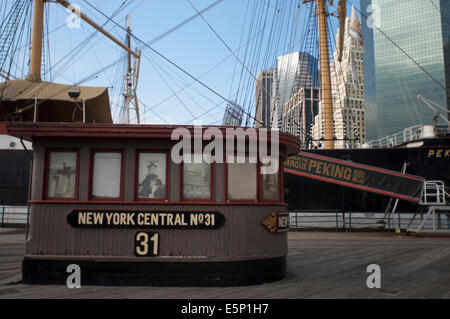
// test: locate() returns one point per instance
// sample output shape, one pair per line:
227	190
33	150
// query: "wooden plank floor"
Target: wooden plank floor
320	265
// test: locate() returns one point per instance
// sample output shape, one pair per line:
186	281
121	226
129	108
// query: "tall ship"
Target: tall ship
423	150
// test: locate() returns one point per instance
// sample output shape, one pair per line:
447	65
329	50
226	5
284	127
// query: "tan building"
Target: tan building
347	82
299	113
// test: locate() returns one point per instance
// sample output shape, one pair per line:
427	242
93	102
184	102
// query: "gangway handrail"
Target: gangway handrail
433	193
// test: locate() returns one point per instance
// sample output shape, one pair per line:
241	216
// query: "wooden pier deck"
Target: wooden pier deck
320	265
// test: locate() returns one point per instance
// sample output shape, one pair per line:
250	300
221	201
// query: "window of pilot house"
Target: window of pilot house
242	179
62	174
107	174
197	181
152	175
271	185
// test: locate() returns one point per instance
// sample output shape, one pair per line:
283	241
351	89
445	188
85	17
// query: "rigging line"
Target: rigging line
82	45
276	103
268	55
288	29
9	16
257	58
253	60
3	6
214	102
48	48
188	74
12	61
207	72
221	40
189	96
14	18
100	63
240	43
247	49
167	59
199	94
149	108
294	33
245	53
279	18
162	36
14	49
403	51
69	59
413	101
280	31
435	104
404	100
213	108
168	85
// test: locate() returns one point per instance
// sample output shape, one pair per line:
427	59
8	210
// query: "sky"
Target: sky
225	50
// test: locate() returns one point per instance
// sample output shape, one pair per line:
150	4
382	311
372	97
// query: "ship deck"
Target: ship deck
320	265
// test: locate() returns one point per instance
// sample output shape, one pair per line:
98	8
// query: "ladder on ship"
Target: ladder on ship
8	32
436	203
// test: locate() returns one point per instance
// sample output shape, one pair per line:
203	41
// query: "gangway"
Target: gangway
436	202
430	196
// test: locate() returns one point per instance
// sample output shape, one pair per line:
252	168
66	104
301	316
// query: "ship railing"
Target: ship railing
354	221
443	130
434	194
409	134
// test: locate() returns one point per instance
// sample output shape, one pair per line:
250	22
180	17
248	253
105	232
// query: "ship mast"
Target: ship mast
131	80
325	75
36	41
37	35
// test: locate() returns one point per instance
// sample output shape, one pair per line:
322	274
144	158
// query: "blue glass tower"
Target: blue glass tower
394	79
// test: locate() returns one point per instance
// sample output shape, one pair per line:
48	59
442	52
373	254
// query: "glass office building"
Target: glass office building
293	71
394	79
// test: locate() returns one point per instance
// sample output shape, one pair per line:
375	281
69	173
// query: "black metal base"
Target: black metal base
176	274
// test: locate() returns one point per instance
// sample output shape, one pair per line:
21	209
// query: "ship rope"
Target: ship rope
11	36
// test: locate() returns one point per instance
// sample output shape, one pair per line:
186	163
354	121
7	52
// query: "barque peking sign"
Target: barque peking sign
145	219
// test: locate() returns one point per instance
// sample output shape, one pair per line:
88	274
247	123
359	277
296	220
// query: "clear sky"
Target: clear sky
243	25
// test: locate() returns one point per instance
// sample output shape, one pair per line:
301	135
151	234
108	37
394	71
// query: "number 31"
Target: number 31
146	244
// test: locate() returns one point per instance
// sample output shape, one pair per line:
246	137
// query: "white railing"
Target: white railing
409	134
13	216
434	193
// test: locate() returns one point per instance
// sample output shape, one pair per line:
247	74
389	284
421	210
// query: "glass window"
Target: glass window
106	180
242	182
152	177
197	181
271	186
62	171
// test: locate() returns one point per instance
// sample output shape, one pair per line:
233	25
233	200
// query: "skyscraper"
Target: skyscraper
293	71
407	54
264	83
347	84
299	113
